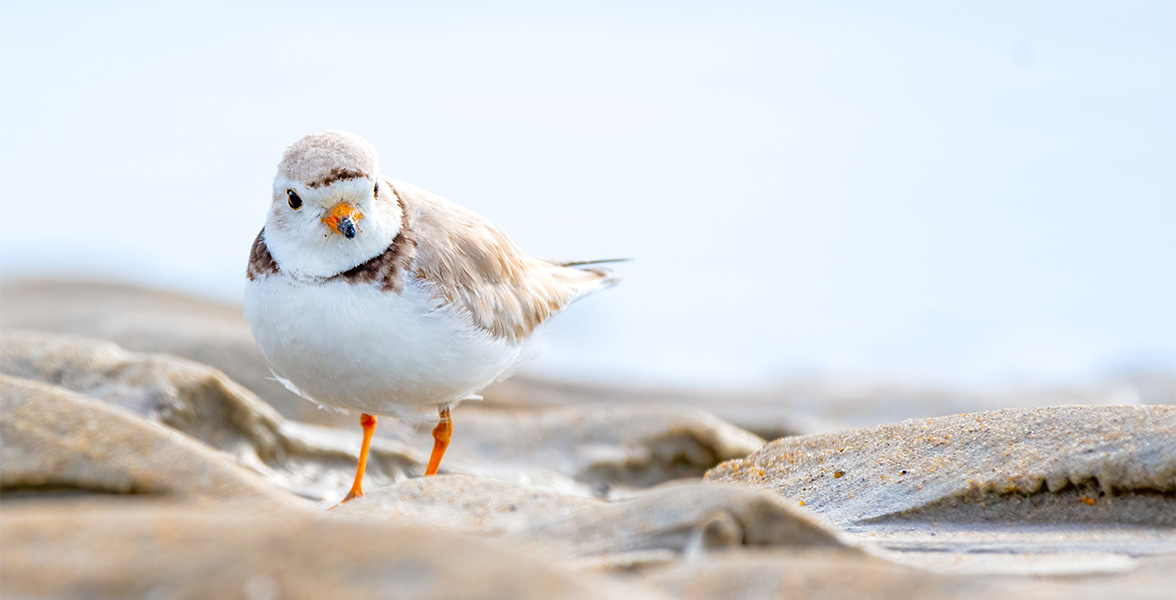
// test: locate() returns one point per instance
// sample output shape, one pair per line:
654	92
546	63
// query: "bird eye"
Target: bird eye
293	199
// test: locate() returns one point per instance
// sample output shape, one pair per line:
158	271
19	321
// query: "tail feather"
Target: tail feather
604	279
581	263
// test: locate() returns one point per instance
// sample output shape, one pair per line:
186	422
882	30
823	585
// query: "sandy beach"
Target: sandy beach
147	453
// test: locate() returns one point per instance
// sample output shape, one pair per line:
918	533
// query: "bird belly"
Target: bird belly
360	347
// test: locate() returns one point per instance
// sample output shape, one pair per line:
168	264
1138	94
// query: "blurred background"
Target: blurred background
962	195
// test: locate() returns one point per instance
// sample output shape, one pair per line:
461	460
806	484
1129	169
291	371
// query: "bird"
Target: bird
365	293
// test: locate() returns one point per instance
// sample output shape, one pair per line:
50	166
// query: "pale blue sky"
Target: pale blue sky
913	191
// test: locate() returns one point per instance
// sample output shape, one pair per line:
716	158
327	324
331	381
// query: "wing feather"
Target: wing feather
475	266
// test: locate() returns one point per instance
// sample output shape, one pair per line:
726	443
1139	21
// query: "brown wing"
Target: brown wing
475	266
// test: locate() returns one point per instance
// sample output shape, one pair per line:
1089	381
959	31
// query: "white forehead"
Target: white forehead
338	190
321	159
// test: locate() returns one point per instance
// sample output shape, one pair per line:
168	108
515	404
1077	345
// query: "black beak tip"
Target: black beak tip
347	228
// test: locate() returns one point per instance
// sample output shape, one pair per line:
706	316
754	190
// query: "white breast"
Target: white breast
356	346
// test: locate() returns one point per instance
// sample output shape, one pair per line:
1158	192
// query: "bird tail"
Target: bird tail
604	279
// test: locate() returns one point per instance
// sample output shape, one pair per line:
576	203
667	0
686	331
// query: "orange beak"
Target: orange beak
342	219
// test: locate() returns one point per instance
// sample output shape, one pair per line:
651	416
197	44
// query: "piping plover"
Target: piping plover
366	293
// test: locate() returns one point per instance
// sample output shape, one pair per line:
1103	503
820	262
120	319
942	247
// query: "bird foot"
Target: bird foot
351	495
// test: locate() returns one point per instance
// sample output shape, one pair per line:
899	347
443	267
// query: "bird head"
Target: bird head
331	210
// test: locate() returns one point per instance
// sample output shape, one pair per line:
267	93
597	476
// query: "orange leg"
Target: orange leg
441	434
369	427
